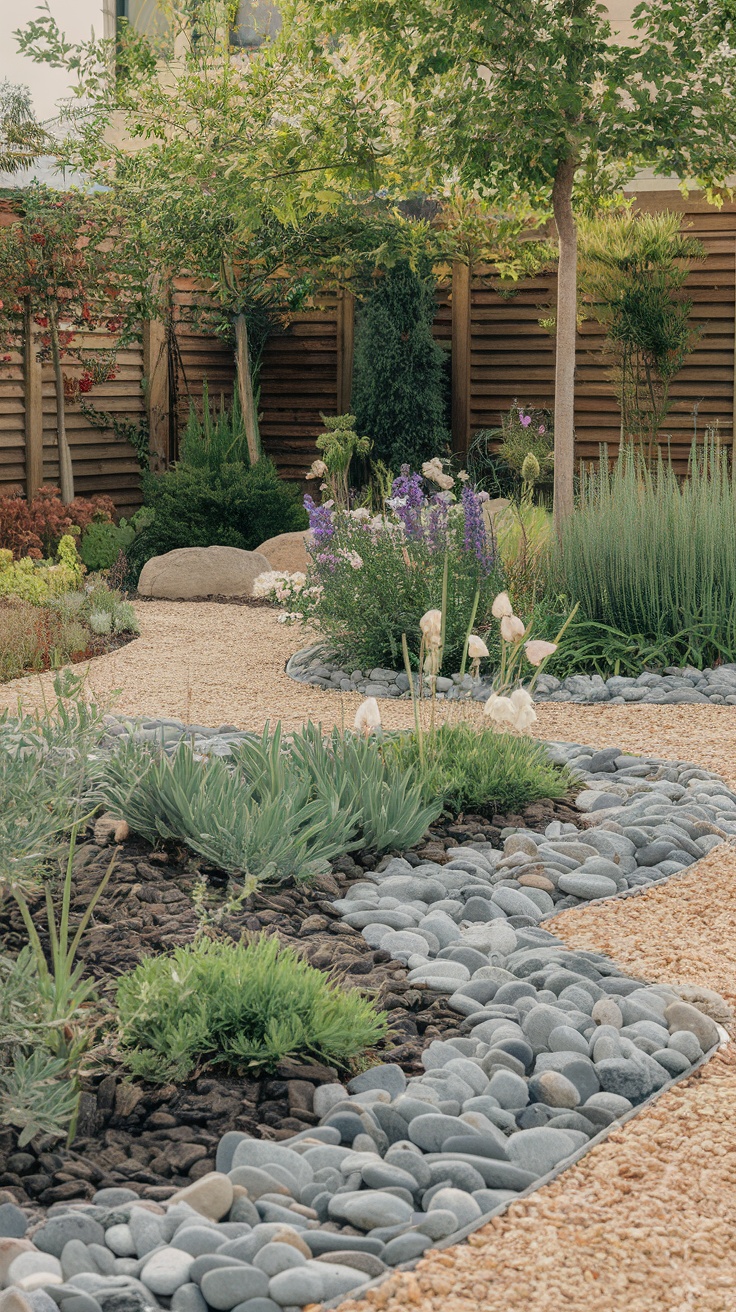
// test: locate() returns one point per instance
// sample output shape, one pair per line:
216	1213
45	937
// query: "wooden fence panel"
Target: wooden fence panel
12	426
513	356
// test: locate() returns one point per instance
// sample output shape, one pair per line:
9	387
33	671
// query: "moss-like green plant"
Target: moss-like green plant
478	770
238	1005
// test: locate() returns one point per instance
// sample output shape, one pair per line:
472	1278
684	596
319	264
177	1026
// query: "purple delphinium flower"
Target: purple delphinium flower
475	537
409	499
321	520
439	512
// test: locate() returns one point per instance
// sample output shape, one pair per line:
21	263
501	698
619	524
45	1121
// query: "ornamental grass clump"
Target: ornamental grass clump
479	770
651	561
241	1006
376	575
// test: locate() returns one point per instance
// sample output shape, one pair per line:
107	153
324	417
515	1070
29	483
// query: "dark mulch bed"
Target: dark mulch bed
155	1138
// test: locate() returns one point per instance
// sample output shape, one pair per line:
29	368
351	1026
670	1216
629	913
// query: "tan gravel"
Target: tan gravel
646	1221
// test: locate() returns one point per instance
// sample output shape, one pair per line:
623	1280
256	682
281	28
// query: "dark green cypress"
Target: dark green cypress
399	386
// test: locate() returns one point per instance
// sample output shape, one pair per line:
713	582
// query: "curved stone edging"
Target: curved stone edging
521	952
675	686
475	1226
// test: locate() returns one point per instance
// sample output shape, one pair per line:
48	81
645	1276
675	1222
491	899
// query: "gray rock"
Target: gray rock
325	1241
13	1222
225	1287
632	1078
585	885
56	1231
539	1151
510	1090
431	1130
76	1257
686	1043
370	1209
554	1089
276	1257
462	1205
388	1076
187	1298
404	1248
166	1270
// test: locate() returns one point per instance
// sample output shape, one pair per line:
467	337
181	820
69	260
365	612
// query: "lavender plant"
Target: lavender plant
376	575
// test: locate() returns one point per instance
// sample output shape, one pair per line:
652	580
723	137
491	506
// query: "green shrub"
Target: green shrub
242	1006
652	561
103	541
481	771
236	507
399	389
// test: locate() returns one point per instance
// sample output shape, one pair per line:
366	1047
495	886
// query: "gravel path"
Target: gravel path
645	1222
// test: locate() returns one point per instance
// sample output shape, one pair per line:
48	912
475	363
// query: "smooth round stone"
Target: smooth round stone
576	1068
384	1175
216	1262
565	1039
119	1240
370	1265
469	1072
462	1205
387	1076
198	1239
554	1089
78	1302
539	1150
604	1108
685	1042
77	1257
258	1182
586	885
451	1171
225	1287
258	1305
430	1131
166	1270
412	1163
438	1224
212	1194
331	1279
370	1209
510	1090
404	1248
58	1230
672	1060
347	1123
32	1264
13	1222
605	1047
515	903
607	1012
510	993
146	1230
276	1257
478	1145
327	1241
261	1152
631	1078
187	1298
539	1023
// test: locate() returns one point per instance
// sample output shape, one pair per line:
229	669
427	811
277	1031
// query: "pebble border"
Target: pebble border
641	1039
675	686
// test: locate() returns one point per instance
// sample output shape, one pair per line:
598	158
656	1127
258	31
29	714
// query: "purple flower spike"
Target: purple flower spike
409	499
321	520
475	538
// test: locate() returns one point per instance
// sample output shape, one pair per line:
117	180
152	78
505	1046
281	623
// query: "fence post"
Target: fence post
461	283
156	374
33	396
345	349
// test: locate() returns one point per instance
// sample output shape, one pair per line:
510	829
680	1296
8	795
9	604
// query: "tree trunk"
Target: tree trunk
567	298
66	473
245	389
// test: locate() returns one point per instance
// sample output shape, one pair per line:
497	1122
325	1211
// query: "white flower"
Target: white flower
500	710
431	627
351	557
512	628
362	513
476	647
432	469
501	606
368	717
317	469
395	503
524	711
538	650
463	476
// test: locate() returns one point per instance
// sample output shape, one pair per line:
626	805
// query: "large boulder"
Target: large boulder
202	572
287	551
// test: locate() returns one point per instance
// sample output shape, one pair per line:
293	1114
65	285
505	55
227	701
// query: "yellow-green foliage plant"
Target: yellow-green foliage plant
38	580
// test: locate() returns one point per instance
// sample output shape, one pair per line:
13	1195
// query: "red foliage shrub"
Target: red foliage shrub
34	528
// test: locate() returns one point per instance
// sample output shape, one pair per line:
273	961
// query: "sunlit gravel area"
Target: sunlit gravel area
645	1221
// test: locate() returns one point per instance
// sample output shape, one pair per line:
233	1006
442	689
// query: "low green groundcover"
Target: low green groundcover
238	1005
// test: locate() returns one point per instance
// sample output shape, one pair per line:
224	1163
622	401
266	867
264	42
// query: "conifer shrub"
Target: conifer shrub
399	389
